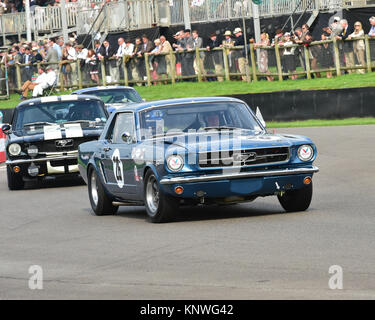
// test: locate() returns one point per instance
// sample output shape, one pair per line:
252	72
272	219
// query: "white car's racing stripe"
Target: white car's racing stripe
52	132
73	130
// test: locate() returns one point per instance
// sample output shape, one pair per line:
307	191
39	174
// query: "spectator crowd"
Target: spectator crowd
127	58
321	56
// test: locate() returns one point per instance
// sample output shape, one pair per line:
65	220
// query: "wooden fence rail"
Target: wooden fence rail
128	66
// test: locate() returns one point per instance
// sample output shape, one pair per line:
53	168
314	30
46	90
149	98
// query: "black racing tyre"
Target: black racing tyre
101	204
297	200
160	207
15	181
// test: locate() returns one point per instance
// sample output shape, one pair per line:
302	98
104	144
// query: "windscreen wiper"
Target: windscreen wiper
39	123
84	121
80	121
221	128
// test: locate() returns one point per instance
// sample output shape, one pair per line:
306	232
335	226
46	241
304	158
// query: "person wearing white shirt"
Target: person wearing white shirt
45	81
81	52
128	51
82	56
129	48
372	30
28	85
121	48
372	34
51	77
115	70
72	56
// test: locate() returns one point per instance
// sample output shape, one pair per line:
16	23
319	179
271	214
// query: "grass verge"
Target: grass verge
195	89
321	123
185	89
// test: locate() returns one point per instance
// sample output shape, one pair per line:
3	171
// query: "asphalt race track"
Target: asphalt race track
247	251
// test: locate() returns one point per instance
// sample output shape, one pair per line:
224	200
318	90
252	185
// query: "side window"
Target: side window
124	123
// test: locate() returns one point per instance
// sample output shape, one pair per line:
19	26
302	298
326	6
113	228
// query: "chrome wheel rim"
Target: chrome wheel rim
94	190
152	195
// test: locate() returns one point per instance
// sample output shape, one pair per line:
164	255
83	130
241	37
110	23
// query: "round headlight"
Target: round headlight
32	151
175	163
305	152
14	149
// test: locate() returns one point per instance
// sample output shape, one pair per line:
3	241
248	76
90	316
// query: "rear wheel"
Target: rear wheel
101	204
159	206
297	200
15	181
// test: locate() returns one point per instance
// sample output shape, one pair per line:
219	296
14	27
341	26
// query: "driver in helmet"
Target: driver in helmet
208	119
205	120
118	98
212	120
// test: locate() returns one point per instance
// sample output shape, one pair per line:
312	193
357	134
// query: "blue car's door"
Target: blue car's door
117	157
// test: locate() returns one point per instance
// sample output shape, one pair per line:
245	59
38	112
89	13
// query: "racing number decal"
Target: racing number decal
118	168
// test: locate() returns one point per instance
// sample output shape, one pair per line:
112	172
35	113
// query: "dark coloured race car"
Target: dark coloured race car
43	138
193	151
114	97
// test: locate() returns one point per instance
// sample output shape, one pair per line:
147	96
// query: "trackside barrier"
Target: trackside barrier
2	146
2	141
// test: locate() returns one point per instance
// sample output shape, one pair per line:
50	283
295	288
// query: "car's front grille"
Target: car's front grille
247	157
61	145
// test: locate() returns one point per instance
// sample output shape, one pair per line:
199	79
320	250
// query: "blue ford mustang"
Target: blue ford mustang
190	151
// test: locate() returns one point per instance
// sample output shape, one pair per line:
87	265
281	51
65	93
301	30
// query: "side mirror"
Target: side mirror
6	128
127	138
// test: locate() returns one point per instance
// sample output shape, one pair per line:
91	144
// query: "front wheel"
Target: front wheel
15	181
101	204
159	207
296	200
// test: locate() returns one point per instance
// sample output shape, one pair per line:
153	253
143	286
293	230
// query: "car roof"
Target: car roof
42	100
137	107
87	90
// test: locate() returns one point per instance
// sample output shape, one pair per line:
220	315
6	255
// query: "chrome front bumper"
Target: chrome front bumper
51	158
240	175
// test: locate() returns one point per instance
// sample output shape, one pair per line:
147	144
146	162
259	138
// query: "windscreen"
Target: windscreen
197	117
59	112
116	95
